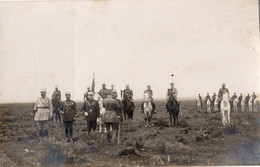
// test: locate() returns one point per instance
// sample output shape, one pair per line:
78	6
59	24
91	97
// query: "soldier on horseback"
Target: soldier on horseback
56	101
128	95
171	93
104	91
148	92
222	91
86	95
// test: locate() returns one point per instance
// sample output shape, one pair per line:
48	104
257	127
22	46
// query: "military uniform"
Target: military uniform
92	111
213	99
172	92
43	112
246	102
232	101
111	116
221	92
56	95
128	95
68	109
104	93
206	98
148	96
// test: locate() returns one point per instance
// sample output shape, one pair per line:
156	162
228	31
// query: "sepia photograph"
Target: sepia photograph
119	83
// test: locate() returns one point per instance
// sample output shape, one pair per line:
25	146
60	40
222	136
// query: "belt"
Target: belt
42	107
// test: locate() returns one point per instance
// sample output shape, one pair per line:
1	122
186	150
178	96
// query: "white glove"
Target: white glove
85	113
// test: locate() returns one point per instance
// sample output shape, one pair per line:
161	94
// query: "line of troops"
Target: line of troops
239	99
45	108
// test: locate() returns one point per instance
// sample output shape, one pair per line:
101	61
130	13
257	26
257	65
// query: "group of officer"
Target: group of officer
220	96
45	108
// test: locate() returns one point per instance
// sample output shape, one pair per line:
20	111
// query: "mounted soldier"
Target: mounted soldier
104	91
207	97
240	98
172	92
148	96
128	104
232	101
213	98
222	91
56	101
86	94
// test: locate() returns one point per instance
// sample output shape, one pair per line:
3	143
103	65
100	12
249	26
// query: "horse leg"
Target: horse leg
170	118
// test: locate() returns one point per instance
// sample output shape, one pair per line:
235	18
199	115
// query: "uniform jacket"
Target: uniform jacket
221	92
174	92
113	110
240	98
103	93
69	109
43	108
128	93
56	95
233	97
92	109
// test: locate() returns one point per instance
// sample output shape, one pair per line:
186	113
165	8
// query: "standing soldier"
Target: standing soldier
239	102
91	111
232	100
148	96
103	92
68	109
86	94
213	98
111	116
128	94
247	102
43	110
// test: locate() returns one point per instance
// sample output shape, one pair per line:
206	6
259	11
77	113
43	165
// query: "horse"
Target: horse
250	104
243	106
225	109
148	114
208	104
216	109
100	122
235	103
173	107
127	106
198	103
56	110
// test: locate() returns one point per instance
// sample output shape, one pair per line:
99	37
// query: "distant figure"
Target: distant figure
247	102
56	94
199	103
239	105
103	92
172	92
56	102
232	100
254	101
43	110
207	97
86	94
235	105
111	117
68	110
208	103
148	96
91	111
213	99
221	92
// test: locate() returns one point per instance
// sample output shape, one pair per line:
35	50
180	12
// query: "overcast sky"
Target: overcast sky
202	42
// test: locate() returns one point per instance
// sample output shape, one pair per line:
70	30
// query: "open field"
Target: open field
200	139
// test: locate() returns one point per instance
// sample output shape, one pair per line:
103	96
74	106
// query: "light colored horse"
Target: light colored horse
208	103
148	113
250	104
100	121
225	109
243	106
198	102
235	102
216	105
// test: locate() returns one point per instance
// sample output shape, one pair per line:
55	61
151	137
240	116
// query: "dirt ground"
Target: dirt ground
199	139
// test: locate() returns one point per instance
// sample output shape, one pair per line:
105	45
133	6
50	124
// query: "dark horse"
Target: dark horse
128	107
173	107
56	110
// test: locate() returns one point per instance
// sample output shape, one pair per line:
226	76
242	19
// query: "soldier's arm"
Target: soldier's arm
75	108
83	108
151	93
50	107
35	106
98	109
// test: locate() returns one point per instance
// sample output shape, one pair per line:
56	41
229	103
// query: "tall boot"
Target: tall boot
46	133
71	134
40	133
